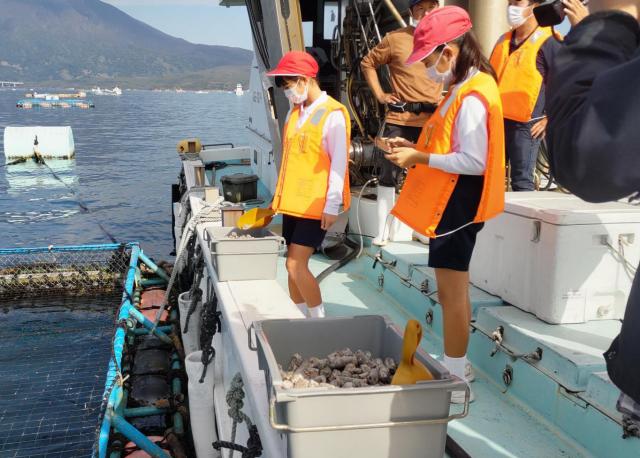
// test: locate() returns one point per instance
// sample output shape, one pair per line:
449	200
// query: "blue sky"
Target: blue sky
198	21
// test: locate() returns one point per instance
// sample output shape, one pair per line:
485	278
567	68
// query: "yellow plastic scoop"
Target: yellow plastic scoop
255	218
411	370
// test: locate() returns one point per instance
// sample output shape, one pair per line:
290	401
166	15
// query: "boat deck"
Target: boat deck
560	405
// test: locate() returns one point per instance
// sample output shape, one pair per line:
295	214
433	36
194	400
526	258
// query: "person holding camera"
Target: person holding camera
409	106
456	168
594	141
521	59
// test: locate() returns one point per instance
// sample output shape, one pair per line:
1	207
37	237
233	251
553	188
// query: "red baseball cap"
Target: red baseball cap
296	63
440	26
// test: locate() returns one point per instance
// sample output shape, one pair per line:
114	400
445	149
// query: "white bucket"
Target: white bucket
201	411
191	338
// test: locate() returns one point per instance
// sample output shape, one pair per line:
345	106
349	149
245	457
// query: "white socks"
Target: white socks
303	308
456	366
317	312
313	312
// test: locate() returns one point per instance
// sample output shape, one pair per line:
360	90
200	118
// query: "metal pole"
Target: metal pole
489	19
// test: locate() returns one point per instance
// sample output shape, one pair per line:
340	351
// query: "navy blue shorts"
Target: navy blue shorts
302	231
454	251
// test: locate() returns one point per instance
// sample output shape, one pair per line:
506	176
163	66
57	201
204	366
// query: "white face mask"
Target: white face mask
413	22
296	98
440	77
515	15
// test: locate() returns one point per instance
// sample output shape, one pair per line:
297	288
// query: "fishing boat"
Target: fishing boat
193	367
99	91
239	91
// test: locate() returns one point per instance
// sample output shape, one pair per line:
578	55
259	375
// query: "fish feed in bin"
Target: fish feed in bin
239	254
400	421
239	187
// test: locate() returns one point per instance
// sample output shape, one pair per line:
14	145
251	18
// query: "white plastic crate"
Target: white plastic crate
238	258
399	421
559	257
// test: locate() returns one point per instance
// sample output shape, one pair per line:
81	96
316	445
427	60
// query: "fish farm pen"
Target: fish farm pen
87	368
54	103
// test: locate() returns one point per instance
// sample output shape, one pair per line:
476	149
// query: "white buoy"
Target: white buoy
191	338
52	142
201	411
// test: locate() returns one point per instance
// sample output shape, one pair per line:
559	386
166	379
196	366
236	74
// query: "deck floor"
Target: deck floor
496	426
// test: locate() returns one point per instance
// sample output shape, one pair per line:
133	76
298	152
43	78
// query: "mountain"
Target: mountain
92	42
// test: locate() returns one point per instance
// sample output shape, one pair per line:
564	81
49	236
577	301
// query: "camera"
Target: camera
551	12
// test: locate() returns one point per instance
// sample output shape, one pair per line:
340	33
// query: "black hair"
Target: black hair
281	81
470	56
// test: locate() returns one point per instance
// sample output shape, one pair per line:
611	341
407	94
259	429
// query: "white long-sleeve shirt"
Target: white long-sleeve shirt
470	144
334	142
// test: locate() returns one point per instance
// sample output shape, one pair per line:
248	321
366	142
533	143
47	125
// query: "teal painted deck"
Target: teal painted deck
536	416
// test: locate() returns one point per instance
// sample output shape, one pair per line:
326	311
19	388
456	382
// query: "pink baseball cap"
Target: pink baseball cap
440	26
296	63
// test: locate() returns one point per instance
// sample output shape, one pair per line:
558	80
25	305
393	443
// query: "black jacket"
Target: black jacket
593	103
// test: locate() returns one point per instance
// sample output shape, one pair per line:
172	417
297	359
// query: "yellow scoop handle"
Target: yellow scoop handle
411	370
255	218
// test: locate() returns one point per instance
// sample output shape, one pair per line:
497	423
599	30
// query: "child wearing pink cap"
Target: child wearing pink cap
456	169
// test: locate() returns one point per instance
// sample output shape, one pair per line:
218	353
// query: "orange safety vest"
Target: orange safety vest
304	173
519	80
426	191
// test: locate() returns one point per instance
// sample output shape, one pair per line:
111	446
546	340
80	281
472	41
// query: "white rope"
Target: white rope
203	216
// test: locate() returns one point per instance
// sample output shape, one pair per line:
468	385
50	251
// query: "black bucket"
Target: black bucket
239	187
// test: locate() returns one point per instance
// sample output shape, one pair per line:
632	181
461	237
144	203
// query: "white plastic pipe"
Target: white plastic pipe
191	338
53	142
201	411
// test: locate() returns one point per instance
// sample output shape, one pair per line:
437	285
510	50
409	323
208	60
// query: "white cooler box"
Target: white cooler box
548	254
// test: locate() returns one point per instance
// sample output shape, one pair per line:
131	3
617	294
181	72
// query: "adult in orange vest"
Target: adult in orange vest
313	182
456	176
521	59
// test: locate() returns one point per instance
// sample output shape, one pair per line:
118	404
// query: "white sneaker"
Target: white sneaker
457	397
378	242
469	373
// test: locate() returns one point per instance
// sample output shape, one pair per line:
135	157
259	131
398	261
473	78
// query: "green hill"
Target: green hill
75	42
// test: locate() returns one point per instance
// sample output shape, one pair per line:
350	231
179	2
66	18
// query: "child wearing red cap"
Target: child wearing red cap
313	182
456	176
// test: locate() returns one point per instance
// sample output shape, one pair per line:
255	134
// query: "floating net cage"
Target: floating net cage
63	271
59	306
73	318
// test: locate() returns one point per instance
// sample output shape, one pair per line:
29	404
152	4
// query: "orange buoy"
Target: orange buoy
137	453
150	301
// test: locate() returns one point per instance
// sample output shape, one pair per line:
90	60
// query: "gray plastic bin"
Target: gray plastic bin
407	421
254	258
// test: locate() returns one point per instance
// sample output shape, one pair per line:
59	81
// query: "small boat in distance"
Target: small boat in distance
239	91
99	91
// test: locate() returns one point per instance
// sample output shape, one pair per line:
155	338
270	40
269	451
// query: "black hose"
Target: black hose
346	259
